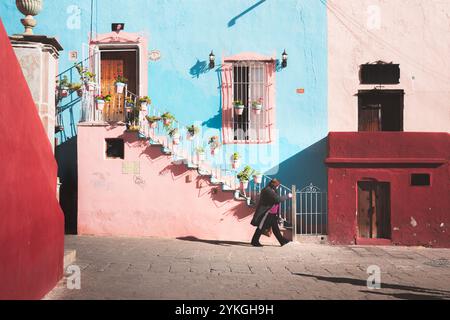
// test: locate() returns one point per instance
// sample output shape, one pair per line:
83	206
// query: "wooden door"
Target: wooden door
373	210
114	63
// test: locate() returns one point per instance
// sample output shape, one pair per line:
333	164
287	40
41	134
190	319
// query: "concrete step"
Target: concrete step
312	239
69	257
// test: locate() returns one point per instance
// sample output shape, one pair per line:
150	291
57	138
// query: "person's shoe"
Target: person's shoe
257	244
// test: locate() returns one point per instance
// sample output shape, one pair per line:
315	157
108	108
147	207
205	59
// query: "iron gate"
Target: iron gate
311	211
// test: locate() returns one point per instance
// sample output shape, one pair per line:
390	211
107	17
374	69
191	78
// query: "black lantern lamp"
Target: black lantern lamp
212	60
284	58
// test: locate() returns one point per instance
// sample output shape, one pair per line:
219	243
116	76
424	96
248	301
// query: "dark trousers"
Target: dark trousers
272	221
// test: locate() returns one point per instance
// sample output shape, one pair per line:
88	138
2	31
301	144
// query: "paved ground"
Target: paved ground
122	268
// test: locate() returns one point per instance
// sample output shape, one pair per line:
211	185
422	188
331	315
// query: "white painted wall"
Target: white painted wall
412	33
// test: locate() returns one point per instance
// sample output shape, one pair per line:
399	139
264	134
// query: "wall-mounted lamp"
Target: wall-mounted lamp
212	60
117	27
284	58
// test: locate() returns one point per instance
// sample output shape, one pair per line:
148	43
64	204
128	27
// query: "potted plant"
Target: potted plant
101	100
238	107
244	177
153	121
63	87
257	105
78	88
134	128
235	160
175	135
257	177
192	131
201	155
214	144
129	105
144	102
168	118
120	83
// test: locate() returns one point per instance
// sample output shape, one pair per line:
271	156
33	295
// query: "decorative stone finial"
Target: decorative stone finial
29	8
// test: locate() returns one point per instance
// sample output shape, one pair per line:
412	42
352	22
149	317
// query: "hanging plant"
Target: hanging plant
257	105
239	107
214	144
175	135
236	160
120	83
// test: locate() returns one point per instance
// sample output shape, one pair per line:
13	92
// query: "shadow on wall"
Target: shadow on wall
232	22
201	67
216	121
307	166
66	157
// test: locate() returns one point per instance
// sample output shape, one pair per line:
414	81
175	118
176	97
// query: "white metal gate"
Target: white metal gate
311	214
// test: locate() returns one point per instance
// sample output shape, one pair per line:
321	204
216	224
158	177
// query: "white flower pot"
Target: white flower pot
144	106
100	105
64	92
167	122
239	110
176	139
257	179
214	151
235	164
120	87
90	86
189	137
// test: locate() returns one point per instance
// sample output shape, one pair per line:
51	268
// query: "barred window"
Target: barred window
248	101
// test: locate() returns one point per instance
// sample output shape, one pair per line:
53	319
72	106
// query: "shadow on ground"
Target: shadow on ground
216	242
416	293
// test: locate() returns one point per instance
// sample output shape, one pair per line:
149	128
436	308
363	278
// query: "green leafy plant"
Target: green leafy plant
121	79
236	156
214	142
200	150
153	119
75	86
106	98
64	83
193	130
237	103
257	103
245	174
145	100
173	132
168	116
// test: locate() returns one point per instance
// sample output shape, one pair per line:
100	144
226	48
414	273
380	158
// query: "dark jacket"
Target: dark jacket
268	198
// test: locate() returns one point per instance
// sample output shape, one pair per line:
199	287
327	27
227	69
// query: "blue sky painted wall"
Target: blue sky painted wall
185	32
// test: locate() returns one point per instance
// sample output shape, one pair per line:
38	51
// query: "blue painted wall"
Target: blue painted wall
185	31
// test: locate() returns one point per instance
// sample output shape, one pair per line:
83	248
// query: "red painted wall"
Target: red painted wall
391	157
31	221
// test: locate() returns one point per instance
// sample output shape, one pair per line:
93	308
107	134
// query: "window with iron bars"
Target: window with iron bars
249	82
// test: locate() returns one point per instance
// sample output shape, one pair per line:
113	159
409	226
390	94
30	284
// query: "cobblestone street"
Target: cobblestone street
122	268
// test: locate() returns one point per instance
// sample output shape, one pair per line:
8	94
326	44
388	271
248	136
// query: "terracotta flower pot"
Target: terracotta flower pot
80	93
189	136
167	122
235	164
257	109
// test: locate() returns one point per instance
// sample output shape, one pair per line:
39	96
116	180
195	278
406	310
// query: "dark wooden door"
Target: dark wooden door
374	210
114	63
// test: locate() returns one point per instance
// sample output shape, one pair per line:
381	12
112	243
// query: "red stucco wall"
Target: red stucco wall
391	157
31	221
